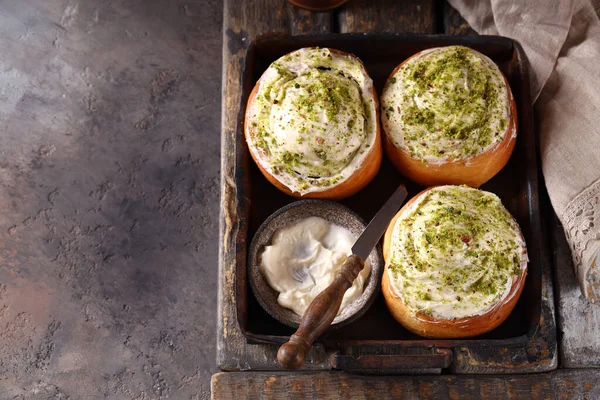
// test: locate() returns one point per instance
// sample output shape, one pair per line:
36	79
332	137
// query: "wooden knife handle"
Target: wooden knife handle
319	315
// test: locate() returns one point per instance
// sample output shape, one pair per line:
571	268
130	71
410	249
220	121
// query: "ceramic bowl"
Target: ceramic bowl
285	216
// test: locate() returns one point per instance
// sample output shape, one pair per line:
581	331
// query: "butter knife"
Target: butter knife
323	309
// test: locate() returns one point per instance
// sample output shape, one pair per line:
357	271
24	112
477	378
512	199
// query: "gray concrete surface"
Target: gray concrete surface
109	164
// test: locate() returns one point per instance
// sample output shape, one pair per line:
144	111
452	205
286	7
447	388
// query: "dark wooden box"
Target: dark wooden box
376	342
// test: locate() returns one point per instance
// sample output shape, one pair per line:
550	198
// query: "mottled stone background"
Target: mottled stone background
109	189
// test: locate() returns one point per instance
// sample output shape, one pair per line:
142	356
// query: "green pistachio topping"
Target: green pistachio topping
313	118
455	253
449	103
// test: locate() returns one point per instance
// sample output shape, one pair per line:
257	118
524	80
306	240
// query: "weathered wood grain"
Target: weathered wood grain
303	22
244	21
578	320
417	16
561	384
454	24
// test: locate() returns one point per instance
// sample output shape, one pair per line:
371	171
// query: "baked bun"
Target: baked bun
449	117
455	263
312	124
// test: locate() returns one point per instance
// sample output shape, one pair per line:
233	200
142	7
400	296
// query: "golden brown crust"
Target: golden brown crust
427	326
355	182
474	171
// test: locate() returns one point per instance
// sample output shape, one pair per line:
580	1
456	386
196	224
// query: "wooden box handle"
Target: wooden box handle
320	314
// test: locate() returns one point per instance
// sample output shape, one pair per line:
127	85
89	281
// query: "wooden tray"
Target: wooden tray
377	331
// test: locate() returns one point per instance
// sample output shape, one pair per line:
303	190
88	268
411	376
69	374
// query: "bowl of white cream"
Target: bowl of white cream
295	254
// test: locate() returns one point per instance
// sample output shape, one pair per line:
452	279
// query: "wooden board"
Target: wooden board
562	384
454	23
417	16
244	21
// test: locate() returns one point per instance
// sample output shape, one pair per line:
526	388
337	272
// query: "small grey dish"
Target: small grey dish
285	216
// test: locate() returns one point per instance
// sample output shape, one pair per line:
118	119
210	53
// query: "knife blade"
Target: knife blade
378	225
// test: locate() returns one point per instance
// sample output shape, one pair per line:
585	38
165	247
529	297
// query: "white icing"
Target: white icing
303	259
327	147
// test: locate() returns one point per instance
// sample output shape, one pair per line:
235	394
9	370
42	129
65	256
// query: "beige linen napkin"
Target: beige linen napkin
562	42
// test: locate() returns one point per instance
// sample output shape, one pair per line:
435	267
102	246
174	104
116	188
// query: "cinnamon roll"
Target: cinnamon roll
311	124
449	117
456	263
